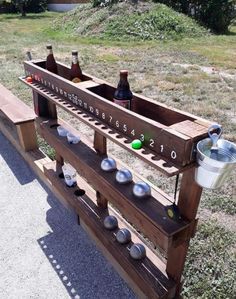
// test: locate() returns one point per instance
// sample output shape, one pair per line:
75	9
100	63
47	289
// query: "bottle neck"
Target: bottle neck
75	59
123	83
124	77
50	52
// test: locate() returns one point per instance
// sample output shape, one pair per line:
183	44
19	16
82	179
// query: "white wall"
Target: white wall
61	7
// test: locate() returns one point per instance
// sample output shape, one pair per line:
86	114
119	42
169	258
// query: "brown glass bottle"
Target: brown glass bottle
51	65
123	95
75	71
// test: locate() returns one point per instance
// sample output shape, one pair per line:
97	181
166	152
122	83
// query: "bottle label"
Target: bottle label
123	103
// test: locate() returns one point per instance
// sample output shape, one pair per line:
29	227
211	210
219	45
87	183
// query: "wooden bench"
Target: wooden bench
18	120
169	139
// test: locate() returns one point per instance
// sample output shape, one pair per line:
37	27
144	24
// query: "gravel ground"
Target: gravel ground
44	253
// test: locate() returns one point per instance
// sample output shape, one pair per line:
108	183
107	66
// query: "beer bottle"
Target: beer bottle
123	94
51	65
75	71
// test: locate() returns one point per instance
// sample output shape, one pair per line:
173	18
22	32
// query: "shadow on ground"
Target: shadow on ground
13	160
81	268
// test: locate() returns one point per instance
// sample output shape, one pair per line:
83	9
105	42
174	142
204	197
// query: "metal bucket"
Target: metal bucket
214	167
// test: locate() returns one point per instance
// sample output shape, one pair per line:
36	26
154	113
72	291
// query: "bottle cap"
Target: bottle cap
123	72
49	47
74	52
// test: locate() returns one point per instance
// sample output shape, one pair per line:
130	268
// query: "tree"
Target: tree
21	5
214	14
25	6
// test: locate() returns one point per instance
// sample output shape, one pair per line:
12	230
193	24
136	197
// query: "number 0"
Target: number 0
173	155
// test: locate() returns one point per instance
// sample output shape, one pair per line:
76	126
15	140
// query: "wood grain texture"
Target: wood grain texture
147	280
188	202
174	134
43	107
27	135
157	161
149	120
148	215
16	110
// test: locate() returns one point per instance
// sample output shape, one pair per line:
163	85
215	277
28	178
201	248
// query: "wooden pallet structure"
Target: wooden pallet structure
169	138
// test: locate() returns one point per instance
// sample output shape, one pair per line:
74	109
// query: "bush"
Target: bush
36	6
103	3
159	23
7	7
25	6
215	14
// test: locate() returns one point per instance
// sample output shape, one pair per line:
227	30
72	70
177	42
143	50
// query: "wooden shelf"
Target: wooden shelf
169	136
144	276
159	162
148	215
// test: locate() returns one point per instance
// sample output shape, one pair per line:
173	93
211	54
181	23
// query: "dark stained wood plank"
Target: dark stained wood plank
100	144
149	122
148	215
190	128
16	110
43	107
189	195
147	280
157	161
8	126
188	202
27	135
17	113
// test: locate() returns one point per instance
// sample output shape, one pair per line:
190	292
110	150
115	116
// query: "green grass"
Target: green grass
210	269
123	22
160	23
221	203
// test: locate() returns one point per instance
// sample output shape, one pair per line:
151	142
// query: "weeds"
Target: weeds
210	269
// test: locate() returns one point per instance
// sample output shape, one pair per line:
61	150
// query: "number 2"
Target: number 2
152	142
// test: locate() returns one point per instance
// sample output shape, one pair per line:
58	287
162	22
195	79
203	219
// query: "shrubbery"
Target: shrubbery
161	23
23	6
103	3
215	14
36	5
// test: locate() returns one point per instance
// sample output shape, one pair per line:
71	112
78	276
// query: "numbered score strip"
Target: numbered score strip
152	143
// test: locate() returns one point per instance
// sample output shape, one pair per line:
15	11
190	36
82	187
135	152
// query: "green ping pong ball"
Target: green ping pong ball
136	144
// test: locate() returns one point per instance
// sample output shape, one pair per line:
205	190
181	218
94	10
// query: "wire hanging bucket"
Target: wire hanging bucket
216	159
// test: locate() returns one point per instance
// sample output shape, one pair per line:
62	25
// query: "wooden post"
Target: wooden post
43	107
189	198
27	135
100	145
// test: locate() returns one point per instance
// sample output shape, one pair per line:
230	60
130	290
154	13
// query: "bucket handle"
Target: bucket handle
216	135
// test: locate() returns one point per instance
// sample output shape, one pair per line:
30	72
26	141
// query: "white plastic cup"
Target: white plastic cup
71	138
62	131
69	175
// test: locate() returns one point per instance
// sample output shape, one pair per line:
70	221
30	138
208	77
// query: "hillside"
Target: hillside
122	21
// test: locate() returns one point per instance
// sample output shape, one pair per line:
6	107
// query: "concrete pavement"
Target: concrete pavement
43	252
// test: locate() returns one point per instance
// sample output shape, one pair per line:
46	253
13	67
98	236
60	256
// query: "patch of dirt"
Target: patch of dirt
166	85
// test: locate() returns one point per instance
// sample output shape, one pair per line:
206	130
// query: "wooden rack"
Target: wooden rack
169	139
